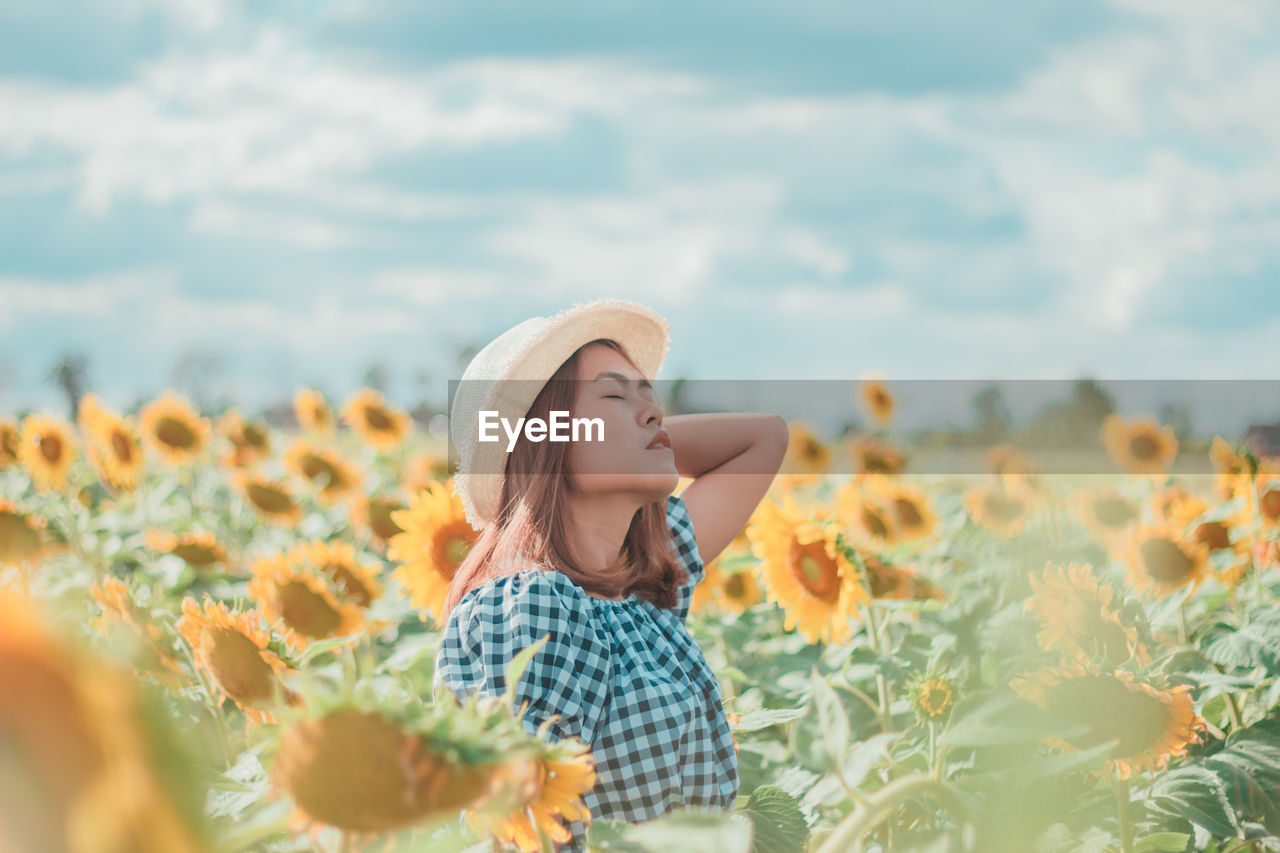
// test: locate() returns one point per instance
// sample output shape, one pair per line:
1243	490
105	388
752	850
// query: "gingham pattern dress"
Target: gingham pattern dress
624	676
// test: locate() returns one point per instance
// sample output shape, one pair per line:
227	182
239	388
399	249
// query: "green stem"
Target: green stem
1122	812
882	686
848	836
1183	634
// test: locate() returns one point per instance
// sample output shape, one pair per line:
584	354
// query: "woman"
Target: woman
583	542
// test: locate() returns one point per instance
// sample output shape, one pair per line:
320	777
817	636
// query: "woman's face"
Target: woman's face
610	388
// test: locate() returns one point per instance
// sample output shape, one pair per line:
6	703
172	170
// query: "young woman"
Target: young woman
585	542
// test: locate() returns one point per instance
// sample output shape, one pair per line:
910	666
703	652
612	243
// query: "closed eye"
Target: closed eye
614	397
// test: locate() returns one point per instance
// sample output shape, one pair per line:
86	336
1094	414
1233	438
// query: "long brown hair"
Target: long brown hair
531	530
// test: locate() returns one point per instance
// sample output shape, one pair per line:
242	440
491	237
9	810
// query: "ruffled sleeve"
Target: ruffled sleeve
568	676
686	548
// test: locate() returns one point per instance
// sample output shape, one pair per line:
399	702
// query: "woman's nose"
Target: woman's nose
651	413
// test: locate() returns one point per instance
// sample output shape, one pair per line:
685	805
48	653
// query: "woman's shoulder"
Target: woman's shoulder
532	591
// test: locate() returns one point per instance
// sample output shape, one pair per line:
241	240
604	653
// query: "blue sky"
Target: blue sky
814	191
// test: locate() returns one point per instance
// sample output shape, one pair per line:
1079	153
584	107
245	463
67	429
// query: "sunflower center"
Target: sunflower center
268	498
121	446
934	697
816	571
237	663
351	585
378	419
1095	633
734	586
1164	560
175	433
1144	447
380	518
875	462
1214	534
1108	709
253	437
1270	503
1114	512
875	523
196	554
42	726
305	610
455	551
908	512
50	447
19	541
315	467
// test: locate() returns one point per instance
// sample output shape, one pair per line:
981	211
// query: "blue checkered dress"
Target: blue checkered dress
625	676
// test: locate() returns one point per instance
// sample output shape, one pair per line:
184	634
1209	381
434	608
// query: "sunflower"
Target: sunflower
561	781
1164	502
1139	446
119	609
364	772
234	648
932	696
379	424
10	438
115	451
1108	514
807	455
1002	510
88	410
372	513
250	442
46	449
1234	467
172	426
912	516
80	741
323	468
1151	725
312	412
873	456
435	541
728	591
22	539
1161	561
807	571
356	582
198	549
1078	616
1268	488
897	582
270	498
871	518
878	400
423	469
309	604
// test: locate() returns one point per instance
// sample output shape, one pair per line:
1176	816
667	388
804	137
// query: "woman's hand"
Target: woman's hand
732	459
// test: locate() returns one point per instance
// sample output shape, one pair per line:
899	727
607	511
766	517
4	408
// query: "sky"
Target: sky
279	195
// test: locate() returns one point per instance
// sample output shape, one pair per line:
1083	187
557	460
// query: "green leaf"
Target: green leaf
1255	643
1249	770
1193	793
1164	842
779	824
820	739
763	718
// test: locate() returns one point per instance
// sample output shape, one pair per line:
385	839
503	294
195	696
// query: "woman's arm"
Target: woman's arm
732	459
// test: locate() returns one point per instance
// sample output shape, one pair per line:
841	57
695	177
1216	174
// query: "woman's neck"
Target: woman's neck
597	530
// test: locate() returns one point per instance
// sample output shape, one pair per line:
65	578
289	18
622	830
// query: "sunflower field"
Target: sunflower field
219	636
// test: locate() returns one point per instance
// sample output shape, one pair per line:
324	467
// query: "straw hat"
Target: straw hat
531	352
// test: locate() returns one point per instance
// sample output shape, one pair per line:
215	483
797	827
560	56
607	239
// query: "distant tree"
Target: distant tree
1075	422
377	377
71	373
992	421
1178	416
